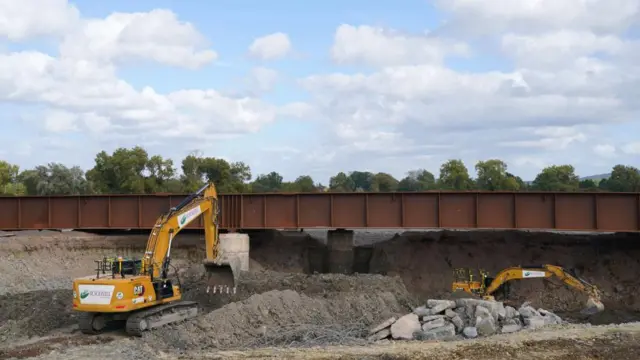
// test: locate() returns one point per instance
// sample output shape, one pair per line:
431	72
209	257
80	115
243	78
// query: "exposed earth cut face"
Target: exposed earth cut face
281	303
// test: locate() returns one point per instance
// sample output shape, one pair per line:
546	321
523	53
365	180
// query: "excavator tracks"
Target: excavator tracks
160	315
91	323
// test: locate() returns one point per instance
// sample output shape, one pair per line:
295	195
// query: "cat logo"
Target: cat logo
138	290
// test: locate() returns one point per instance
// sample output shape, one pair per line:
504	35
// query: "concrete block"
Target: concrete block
458	322
438	306
383	325
422	311
382	334
432	317
233	249
486	326
340	240
528	311
441	333
450	313
341	252
534	322
550	318
470	332
510	312
433	324
405	327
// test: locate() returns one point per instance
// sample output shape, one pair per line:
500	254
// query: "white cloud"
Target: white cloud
21	20
632	148
541	15
381	47
83	91
60	121
271	47
605	150
156	35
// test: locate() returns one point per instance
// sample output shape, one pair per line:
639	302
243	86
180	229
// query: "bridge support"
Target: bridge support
234	250
340	245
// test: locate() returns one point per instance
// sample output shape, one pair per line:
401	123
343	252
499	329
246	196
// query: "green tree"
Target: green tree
417	180
383	182
9	182
557	178
493	175
623	179
159	174
341	183
521	185
588	185
454	176
228	177
130	171
302	183
362	180
191	178
271	182
55	179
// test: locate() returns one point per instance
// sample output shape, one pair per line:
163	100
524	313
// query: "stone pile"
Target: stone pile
467	318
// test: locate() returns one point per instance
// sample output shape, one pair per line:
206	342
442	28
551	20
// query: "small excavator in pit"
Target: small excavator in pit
489	286
139	291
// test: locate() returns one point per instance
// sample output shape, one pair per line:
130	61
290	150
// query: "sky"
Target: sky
318	87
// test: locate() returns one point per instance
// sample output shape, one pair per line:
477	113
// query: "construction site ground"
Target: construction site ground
282	311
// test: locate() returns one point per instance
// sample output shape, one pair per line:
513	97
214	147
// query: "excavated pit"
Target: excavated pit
36	270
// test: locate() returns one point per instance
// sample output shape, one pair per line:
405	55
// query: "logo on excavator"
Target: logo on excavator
84	294
138	290
527	273
188	216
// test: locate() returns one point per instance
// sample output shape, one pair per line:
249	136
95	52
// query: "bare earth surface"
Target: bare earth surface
281	312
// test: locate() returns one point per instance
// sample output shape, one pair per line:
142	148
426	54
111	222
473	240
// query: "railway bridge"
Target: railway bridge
595	212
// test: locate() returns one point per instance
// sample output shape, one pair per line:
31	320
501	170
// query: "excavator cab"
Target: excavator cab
463	280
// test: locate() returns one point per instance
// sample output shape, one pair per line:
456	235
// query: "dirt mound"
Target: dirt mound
197	288
425	262
34	313
283	317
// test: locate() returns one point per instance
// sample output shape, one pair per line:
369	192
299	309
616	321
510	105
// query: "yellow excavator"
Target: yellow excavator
139	291
488	286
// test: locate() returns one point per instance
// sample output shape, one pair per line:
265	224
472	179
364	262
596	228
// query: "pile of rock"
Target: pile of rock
469	318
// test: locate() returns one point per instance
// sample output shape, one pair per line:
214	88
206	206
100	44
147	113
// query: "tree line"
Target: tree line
135	171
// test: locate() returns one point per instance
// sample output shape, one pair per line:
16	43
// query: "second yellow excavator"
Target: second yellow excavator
139	291
488	286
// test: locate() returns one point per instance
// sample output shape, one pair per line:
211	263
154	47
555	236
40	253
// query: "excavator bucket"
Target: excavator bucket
220	277
594	306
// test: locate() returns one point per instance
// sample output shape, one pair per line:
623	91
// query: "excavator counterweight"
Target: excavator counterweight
140	290
487	286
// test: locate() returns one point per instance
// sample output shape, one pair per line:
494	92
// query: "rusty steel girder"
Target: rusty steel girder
463	210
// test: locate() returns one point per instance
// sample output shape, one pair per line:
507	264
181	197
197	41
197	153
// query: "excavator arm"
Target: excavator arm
157	256
594	303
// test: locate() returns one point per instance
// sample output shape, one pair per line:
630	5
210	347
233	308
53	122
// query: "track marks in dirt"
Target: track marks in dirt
47	345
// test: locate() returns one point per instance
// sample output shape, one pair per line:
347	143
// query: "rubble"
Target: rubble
462	318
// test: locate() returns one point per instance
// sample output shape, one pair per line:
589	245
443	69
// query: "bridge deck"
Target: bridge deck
500	210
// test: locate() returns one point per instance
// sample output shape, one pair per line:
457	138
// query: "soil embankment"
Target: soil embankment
36	270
